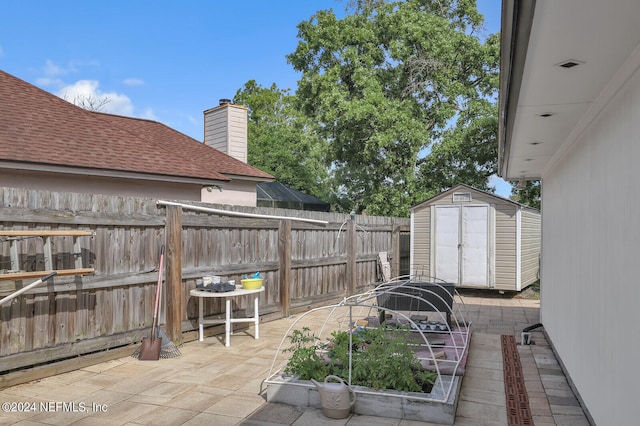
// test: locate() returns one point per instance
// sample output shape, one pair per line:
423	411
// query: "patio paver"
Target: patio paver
214	384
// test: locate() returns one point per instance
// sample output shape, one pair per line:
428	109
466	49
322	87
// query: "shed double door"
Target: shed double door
461	244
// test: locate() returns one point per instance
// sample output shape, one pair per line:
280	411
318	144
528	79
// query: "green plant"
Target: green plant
306	361
380	358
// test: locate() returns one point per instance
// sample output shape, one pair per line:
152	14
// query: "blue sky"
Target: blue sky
163	60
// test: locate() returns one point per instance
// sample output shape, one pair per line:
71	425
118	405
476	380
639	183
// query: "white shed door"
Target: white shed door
461	246
475	247
447	258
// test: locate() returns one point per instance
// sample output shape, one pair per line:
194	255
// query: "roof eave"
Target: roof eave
119	174
517	20
249	178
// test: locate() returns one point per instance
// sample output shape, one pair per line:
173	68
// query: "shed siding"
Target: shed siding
505	246
420	264
505	238
476	198
530	247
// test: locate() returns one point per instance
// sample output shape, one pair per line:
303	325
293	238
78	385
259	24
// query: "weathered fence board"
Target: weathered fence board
302	264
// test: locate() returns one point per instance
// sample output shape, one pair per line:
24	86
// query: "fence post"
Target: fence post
174	305
395	248
352	246
284	253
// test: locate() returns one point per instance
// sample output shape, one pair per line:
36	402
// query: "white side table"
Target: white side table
228	320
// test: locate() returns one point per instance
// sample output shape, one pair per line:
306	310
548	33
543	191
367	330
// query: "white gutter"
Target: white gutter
241	214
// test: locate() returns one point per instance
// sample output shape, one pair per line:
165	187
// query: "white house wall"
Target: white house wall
590	236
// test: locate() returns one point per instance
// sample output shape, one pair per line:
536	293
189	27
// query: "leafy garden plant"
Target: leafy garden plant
381	358
306	360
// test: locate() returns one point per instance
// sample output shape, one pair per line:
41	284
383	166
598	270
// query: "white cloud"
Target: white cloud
52	69
133	81
46	81
191	119
149	115
89	89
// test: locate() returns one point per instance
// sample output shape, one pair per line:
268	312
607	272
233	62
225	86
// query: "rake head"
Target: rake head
168	348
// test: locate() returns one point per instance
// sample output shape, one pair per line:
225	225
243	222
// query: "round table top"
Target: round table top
237	292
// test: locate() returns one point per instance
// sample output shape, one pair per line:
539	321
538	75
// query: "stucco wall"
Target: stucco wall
590	236
237	193
58	182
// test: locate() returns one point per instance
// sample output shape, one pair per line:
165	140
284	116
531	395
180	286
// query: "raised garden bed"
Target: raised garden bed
386	355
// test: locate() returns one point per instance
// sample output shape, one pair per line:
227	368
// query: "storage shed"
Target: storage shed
476	239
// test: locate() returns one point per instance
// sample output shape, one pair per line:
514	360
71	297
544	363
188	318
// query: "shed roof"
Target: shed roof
468	187
39	128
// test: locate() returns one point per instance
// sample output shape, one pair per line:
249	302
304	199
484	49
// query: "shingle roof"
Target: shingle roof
40	128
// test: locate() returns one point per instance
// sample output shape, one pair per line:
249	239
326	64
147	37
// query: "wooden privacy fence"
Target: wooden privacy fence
113	245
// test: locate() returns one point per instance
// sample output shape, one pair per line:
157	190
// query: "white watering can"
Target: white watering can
336	398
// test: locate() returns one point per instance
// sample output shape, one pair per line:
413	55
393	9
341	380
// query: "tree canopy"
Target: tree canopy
281	141
387	84
529	194
396	102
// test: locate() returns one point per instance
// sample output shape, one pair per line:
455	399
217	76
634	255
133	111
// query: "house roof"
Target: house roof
545	103
38	129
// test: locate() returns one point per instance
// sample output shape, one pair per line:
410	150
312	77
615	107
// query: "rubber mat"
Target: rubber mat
518	410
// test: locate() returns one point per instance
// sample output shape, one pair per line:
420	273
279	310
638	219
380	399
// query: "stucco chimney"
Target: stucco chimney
225	129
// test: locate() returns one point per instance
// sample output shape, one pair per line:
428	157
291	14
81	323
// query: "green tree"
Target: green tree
386	82
281	141
529	194
467	152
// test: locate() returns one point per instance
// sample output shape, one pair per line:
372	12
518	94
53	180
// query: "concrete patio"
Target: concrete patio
211	384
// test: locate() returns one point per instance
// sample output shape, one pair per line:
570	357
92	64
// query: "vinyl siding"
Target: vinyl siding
504	246
446	198
530	247
505	269
420	264
225	129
